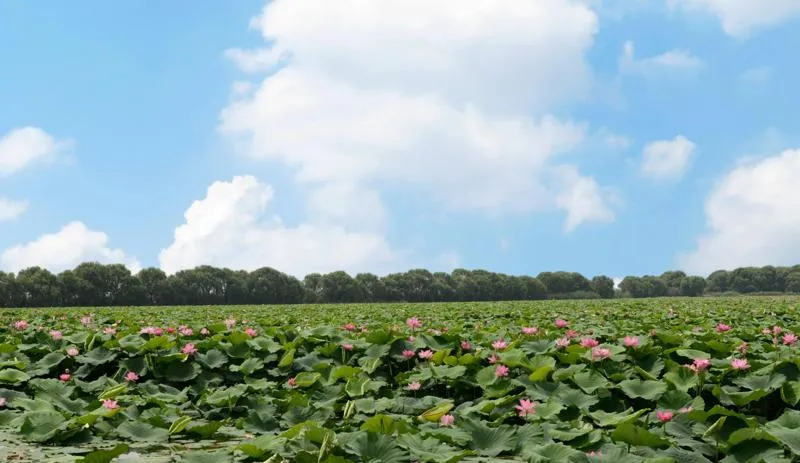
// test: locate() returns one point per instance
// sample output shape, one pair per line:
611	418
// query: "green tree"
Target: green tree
37	287
603	286
693	286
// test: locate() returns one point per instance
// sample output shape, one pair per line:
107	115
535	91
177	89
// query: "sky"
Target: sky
616	137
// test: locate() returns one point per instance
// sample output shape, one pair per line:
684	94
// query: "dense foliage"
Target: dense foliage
93	284
659	380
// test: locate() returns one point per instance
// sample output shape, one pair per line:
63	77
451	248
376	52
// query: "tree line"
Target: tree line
94	284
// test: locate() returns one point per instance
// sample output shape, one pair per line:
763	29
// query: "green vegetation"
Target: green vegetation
92	284
656	380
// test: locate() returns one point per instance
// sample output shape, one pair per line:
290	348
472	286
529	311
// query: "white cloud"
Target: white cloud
753	217
743	17
379	99
667	159
670	61
581	199
22	147
72	245
10	209
231	227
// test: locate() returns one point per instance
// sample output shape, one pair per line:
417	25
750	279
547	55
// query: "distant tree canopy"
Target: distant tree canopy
94	284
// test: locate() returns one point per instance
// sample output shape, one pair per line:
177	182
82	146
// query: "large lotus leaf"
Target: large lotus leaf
13	376
754	451
638	389
682	379
42	426
431	450
606	419
373	447
104	456
787	429
633	434
590	381
142	432
552	453
97	356
489	441
212	359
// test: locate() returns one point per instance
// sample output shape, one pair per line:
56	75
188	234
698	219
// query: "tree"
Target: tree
340	287
693	286
603	286
718	282
37	287
155	286
8	290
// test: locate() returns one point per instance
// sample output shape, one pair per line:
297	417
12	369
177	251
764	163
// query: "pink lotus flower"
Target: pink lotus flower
414	323
347	346
204	331
589	342
2	401
189	349
789	339
131	376
560	323
110	404
230	323
250	332
664	416
594	453
425	354
571	334
493	359
631	341
349	327
766	331
447	420
499	344
55	334
501	371
65	376
170	330
700	365
776	330
72	351
742	348
465	345
600	353
185	331
21	325
685	409
530	330
110	331
291	382
410	339
408	354
86	320
414	386
526	407
562	342
740	364
721	327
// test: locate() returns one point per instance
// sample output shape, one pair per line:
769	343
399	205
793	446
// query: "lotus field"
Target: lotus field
683	380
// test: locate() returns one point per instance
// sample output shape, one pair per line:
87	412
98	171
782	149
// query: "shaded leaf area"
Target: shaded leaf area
474	383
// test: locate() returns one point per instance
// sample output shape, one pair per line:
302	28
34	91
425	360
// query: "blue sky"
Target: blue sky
417	134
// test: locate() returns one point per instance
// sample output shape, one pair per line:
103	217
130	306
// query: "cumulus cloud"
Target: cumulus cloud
753	217
667	159
22	147
379	99
743	17
10	209
673	60
74	244
231	227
